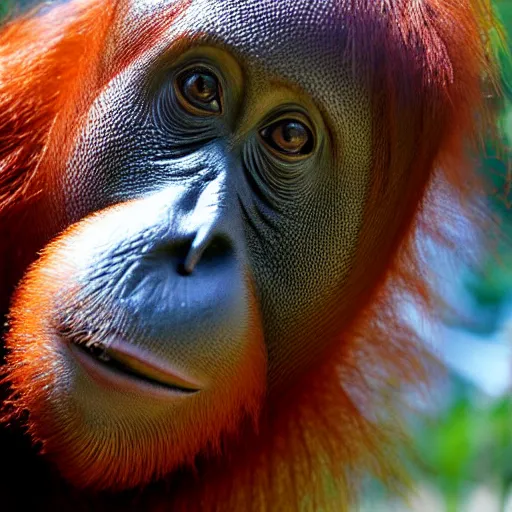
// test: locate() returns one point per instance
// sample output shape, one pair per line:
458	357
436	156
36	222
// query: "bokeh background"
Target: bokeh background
463	443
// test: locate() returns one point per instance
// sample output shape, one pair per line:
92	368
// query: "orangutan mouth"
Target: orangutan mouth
120	359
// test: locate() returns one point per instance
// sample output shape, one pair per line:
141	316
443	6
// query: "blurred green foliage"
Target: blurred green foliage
468	444
8	6
491	285
471	441
4	7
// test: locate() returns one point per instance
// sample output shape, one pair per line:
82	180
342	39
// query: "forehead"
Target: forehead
302	41
271	29
285	35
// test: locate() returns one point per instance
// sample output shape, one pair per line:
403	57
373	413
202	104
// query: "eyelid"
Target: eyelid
290	115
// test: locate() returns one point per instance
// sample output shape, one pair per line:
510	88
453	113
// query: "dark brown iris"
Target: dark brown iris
289	137
200	90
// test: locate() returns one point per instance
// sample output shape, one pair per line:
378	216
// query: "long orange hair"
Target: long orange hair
342	420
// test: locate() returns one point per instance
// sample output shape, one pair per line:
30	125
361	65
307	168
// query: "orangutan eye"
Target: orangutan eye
289	137
199	92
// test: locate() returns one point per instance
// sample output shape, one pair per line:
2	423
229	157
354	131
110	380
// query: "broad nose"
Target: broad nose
211	226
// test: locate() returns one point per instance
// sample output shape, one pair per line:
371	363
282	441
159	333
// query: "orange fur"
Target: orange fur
428	64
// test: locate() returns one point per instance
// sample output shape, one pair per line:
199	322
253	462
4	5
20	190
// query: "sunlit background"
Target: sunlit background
464	444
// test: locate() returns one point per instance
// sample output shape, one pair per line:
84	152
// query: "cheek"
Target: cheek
303	271
130	437
302	277
108	162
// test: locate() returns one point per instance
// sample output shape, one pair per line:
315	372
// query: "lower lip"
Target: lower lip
115	380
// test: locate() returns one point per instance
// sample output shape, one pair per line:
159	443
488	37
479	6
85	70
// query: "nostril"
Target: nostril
217	247
182	270
206	247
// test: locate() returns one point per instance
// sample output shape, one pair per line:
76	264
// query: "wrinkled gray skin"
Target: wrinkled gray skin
260	237
291	229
